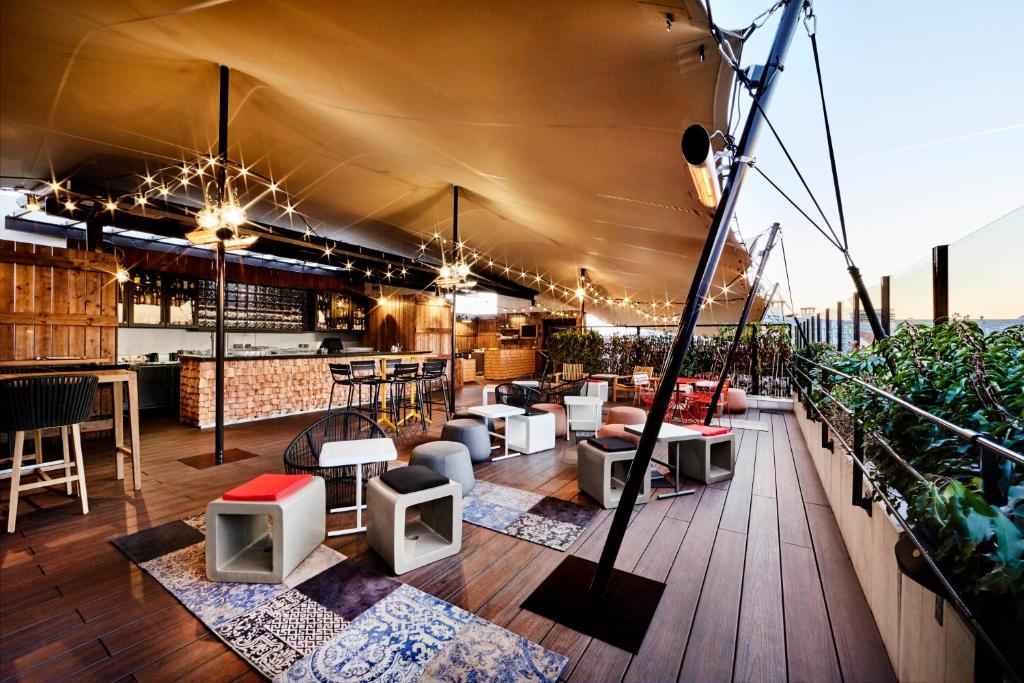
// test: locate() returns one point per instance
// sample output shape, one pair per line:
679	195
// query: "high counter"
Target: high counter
261	387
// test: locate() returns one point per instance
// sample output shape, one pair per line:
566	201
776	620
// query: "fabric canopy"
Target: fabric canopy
561	121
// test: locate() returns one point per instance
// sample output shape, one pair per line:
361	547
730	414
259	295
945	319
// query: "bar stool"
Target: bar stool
434	373
341	376
405	393
366	373
32	404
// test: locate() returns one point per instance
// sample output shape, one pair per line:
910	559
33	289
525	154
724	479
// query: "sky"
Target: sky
927	114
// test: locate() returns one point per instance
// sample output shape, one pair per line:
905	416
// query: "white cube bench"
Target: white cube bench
260	531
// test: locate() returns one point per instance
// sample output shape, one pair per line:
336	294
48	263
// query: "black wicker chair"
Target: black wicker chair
556	393
511	394
303	454
31	404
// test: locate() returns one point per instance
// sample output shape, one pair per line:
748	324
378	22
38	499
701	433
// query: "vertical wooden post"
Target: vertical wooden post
856	320
940	284
839	325
886	306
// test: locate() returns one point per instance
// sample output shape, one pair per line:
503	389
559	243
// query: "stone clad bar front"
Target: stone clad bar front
260	387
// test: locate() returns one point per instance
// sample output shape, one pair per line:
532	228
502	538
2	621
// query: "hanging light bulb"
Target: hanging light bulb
445	272
462	268
122	275
32	203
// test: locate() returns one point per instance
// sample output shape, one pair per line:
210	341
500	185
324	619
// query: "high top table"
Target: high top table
118	379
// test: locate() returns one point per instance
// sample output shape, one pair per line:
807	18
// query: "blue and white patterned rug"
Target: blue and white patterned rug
334	620
548	521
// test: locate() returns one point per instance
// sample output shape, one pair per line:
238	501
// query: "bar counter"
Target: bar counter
261	387
506	364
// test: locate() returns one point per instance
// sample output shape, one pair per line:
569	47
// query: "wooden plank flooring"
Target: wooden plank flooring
759	586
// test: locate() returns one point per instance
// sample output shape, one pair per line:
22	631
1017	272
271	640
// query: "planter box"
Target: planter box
919	647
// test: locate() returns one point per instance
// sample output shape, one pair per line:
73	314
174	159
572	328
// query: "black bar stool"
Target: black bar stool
434	376
341	376
32	404
366	373
402	378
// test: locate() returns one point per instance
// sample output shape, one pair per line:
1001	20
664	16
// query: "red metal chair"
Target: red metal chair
675	408
700	401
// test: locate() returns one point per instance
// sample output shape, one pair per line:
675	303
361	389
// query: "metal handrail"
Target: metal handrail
952	594
964	434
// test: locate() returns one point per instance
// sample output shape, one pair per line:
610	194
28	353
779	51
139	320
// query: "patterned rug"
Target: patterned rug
548	521
334	620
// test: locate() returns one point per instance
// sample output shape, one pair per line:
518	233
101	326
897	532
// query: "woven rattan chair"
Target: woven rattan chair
515	395
303	454
32	404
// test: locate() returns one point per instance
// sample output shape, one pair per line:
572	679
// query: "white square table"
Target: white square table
356	453
530	432
582	413
498	411
672	435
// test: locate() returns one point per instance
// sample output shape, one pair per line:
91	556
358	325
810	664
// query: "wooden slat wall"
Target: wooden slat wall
56	302
412	321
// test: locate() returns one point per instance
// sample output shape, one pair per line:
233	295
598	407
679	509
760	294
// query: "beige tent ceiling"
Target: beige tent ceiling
561	120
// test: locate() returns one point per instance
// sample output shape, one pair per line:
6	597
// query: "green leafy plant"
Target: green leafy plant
975	381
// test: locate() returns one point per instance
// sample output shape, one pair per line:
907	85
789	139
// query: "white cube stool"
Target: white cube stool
582	414
239	533
602	474
530	432
404	543
708	459
598	388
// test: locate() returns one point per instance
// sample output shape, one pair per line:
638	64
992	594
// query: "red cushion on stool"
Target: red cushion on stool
707	431
268	487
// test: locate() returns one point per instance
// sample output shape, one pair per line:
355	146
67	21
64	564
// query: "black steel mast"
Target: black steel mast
221	274
702	277
731	357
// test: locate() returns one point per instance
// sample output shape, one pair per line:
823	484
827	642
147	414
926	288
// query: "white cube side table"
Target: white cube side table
498	411
530	433
582	413
356	453
673	435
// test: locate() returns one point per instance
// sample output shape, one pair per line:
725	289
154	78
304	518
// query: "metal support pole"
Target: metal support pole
828	326
755	365
877	328
839	325
744	315
818	336
940	284
455	293
886	306
702	276
856	320
221	276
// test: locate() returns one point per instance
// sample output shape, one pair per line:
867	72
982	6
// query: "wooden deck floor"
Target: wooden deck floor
759	583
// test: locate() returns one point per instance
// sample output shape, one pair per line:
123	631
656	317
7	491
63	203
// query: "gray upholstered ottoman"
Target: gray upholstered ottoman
447	458
471	433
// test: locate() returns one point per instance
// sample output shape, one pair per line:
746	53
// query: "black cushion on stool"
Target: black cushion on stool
413	478
612	444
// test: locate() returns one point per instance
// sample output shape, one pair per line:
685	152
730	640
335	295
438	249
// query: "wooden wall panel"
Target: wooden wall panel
56	302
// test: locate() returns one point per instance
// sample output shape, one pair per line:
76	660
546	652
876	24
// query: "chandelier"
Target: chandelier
220	219
456	275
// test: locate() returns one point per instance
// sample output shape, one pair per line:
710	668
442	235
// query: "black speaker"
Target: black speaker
696	144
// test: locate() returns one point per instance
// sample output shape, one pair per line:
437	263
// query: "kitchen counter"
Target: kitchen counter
261	387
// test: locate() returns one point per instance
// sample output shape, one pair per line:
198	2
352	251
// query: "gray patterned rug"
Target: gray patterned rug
334	620
551	522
